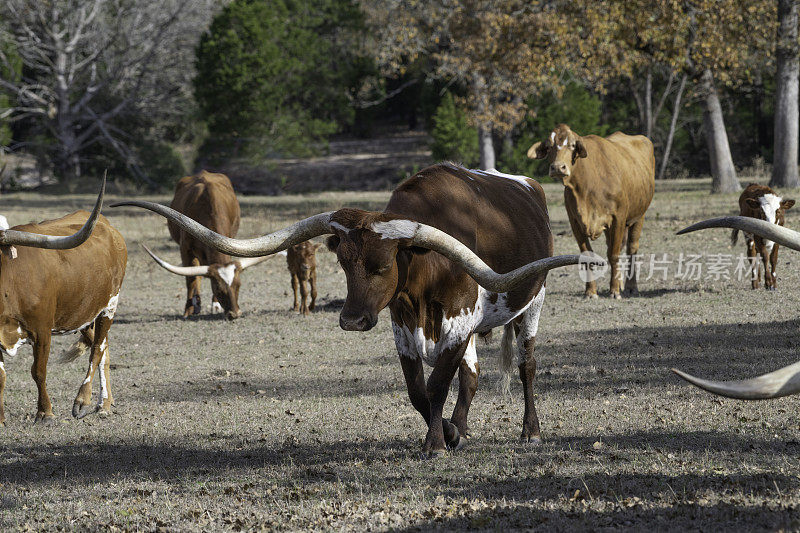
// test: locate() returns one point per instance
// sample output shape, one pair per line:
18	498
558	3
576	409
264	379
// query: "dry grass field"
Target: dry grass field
281	422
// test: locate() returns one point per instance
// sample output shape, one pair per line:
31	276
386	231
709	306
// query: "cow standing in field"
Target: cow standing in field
302	262
433	256
608	186
759	201
57	277
210	200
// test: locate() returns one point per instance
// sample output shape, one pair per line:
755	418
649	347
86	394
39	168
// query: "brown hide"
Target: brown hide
750	206
301	259
210	200
46	291
608	186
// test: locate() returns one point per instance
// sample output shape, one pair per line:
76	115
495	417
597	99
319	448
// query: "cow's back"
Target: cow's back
620	170
209	199
503	220
72	285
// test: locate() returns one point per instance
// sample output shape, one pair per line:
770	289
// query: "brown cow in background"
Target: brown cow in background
210	200
608	186
759	201
302	262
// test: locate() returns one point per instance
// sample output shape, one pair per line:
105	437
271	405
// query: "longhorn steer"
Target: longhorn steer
210	200
301	260
759	201
57	277
782	382
608	186
432	257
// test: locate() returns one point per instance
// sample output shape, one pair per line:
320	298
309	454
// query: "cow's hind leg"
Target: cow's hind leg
632	278
528	326
468	373
98	359
755	276
312	280
295	288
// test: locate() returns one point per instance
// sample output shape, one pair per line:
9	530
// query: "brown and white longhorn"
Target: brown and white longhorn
455	253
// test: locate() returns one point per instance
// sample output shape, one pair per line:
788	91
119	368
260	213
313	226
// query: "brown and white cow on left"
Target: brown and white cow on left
759	201
57	277
433	256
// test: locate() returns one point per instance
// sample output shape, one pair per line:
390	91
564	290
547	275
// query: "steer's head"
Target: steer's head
302	258
769	207
562	148
225	282
375	258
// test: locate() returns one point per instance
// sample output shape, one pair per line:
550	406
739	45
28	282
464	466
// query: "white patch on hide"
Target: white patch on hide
111	308
227	273
395	229
522	180
216	307
529	325
471	355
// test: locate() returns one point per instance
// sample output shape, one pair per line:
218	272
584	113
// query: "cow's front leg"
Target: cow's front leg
755	277
41	352
2	391
585	245
295	283
773	264
438	436
768	280
98	360
304	297
313	282
614	235
468	372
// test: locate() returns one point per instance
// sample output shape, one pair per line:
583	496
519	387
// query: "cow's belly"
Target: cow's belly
490	311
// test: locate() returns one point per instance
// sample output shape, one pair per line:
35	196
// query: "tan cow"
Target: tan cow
608	186
455	253
301	259
210	200
71	286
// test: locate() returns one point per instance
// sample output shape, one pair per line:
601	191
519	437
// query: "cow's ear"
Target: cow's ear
332	243
787	204
753	203
537	151
580	149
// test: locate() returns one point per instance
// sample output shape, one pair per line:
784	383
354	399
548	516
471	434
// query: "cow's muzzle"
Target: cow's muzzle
357	322
558	170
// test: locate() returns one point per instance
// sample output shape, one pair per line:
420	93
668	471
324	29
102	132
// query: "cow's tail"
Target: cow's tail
78	348
506	358
734	236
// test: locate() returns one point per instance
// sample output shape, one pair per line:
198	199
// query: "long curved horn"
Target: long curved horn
268	244
12	237
437	240
179	270
247	262
782	382
419	234
762	228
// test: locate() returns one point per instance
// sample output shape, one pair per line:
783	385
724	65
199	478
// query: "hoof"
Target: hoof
616	296
79	411
104	413
433	454
592	296
458	445
531	440
44	419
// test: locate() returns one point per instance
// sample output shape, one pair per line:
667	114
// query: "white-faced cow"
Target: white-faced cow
433	256
210	200
301	259
56	277
608	186
759	201
784	381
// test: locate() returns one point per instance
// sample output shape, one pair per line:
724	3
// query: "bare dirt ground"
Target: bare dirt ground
280	422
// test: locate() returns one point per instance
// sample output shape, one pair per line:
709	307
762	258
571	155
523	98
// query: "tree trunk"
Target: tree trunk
648	103
675	112
784	166
723	173
486	147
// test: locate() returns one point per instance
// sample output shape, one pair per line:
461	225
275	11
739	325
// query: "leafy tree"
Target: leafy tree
453	138
272	75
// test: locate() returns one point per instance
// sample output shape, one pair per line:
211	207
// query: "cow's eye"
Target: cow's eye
383	269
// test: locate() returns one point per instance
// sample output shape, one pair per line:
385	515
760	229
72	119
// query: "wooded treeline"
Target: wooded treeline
90	84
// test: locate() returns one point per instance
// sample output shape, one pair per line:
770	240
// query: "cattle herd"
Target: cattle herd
454	254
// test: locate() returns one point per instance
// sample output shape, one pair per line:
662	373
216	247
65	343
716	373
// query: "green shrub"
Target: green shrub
453	138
